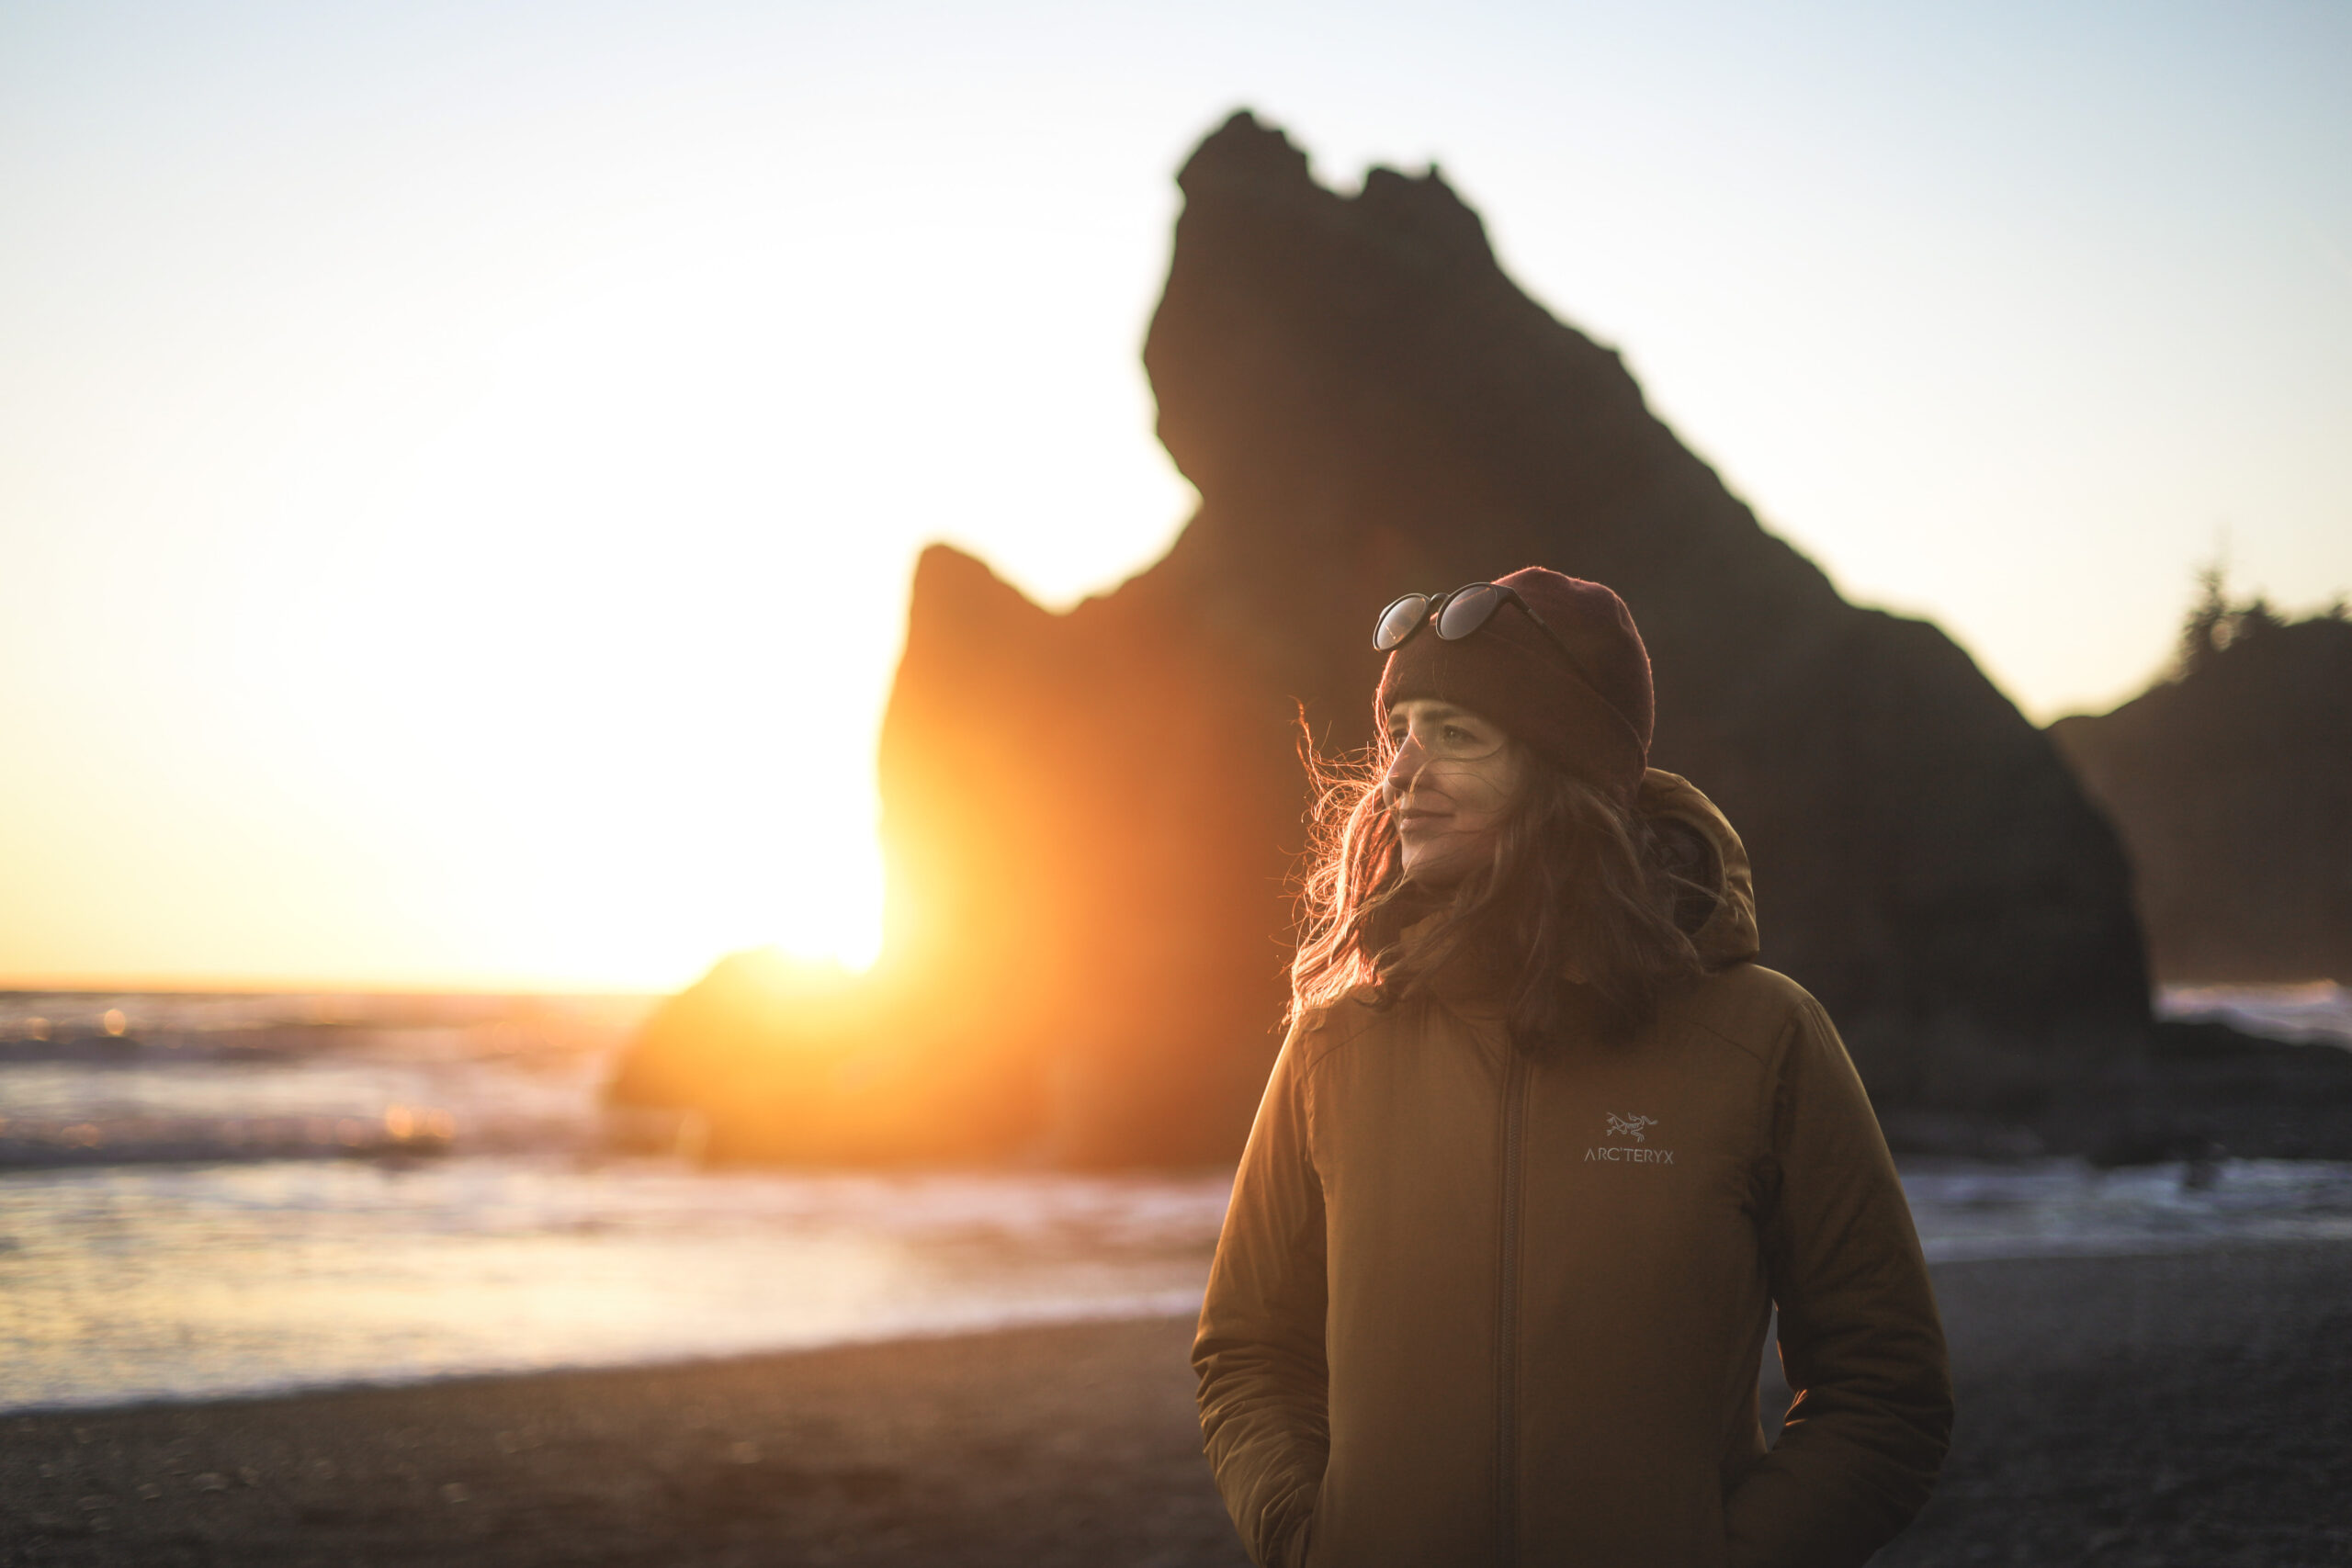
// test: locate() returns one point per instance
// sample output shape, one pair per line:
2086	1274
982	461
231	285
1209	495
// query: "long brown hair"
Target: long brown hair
1575	917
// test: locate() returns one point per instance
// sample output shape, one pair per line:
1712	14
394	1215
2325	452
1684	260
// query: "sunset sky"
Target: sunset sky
460	464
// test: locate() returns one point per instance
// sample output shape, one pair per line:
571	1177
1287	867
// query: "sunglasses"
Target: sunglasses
1457	615
1460	614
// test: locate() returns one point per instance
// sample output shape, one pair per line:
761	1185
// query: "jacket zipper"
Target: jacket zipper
1507	1316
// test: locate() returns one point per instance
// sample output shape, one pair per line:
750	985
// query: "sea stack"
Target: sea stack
1092	820
2231	780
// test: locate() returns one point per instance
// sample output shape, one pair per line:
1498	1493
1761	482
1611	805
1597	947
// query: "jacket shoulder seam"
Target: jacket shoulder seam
1322	1031
1764	1055
1747	1048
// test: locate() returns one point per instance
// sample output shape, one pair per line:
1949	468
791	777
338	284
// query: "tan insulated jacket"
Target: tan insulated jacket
1471	1308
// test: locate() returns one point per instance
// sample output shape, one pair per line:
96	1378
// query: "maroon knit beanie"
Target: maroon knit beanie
1591	716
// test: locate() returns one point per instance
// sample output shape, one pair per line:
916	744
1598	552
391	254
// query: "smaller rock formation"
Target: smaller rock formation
786	1060
2231	780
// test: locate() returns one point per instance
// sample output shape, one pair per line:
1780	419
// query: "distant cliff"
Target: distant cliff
2230	782
1089	819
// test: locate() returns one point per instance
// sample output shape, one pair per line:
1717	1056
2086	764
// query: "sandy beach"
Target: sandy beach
2190	1410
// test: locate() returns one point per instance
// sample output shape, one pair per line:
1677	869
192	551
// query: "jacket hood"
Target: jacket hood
1719	913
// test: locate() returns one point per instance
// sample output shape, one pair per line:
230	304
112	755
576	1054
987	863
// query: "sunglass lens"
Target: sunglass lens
1466	610
1398	622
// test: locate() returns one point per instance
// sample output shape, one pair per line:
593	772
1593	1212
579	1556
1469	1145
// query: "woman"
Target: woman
1542	1152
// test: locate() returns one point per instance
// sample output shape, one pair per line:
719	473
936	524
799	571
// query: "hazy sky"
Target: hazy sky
460	464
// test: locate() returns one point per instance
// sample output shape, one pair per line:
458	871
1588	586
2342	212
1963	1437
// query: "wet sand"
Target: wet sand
2191	1410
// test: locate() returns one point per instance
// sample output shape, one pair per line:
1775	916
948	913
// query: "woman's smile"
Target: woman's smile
1449	784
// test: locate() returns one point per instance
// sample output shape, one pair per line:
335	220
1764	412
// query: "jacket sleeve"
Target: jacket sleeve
1859	1337
1259	1350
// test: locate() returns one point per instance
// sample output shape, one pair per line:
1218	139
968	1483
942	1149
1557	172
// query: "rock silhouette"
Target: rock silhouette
1091	819
2232	785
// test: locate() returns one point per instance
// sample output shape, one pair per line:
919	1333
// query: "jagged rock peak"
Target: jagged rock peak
1245	150
1247	155
956	583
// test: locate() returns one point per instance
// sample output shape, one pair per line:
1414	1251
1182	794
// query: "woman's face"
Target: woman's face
1453	777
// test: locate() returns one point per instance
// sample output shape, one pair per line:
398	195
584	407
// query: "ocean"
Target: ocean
204	1196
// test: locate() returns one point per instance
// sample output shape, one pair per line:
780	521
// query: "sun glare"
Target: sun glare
462	522
582	684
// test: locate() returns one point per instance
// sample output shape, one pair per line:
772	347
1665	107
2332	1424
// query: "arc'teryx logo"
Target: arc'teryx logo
1629	1126
1619	1153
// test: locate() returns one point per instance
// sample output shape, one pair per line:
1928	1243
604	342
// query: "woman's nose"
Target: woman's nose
1403	766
